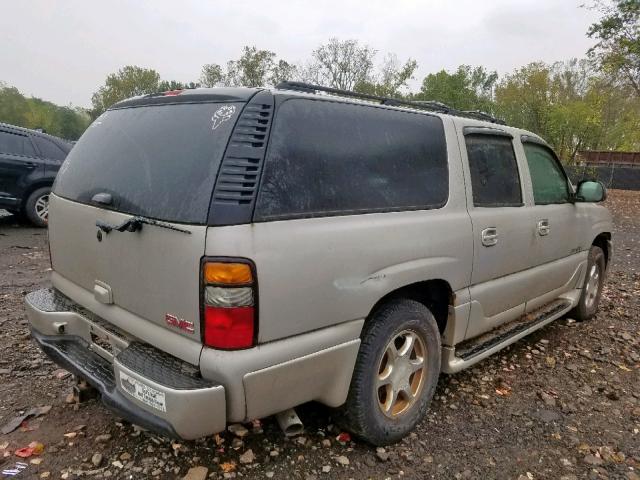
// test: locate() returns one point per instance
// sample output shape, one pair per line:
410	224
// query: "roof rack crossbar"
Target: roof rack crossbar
432	106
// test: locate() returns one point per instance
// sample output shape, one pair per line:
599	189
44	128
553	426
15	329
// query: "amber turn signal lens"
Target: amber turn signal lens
227	273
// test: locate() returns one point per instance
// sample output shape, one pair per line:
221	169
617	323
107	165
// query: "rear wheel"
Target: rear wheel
36	207
592	288
396	373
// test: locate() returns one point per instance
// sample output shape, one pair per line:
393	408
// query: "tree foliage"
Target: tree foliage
617	51
65	122
341	64
468	88
570	106
391	79
127	82
577	104
254	68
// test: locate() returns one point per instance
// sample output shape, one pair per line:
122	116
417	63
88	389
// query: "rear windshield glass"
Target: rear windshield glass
157	161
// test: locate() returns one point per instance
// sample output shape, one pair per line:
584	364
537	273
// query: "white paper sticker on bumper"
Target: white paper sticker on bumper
146	394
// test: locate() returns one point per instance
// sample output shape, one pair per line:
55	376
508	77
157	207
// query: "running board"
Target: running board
472	351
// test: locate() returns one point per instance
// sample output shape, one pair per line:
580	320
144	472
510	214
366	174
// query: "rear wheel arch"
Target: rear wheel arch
435	294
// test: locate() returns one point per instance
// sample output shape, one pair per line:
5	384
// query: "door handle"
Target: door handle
543	227
489	236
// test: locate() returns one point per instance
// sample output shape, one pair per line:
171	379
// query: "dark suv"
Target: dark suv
29	162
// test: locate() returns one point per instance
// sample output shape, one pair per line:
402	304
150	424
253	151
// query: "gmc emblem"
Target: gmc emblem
179	323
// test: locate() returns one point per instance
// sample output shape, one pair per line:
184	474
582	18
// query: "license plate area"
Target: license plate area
143	392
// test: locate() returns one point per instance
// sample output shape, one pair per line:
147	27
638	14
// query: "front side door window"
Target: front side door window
547	178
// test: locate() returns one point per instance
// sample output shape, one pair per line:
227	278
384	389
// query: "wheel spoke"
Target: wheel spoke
416	364
392	352
407	346
392	398
384	378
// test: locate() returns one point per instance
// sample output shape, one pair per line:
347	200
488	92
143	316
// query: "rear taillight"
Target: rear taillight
228	297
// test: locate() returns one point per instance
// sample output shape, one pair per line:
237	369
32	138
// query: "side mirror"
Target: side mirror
590	191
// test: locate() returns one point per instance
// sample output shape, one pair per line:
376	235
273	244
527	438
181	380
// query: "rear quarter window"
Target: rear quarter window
331	158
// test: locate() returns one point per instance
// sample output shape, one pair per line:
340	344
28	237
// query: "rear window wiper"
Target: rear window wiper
134	224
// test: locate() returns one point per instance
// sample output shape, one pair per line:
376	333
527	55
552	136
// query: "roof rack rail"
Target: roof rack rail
432	106
480	115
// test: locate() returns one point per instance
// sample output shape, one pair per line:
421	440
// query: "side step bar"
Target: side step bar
472	351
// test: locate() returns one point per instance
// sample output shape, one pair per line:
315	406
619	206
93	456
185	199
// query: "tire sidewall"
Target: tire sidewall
421	322
30	206
596	257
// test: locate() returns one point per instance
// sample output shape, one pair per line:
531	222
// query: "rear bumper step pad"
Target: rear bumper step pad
73	354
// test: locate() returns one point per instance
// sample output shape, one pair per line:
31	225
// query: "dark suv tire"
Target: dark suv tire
396	373
36	208
592	288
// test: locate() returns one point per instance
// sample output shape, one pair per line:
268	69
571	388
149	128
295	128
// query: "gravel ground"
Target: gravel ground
562	403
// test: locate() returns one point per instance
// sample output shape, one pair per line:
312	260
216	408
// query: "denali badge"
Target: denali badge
180	323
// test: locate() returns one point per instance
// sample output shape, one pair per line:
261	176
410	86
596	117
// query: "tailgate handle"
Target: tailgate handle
102	292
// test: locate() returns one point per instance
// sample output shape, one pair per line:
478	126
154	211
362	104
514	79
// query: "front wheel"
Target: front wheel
592	288
36	207
396	373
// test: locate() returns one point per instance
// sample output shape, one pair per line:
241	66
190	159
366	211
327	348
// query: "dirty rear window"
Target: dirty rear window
332	158
157	161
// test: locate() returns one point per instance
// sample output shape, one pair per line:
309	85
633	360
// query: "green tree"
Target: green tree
391	78
468	88
212	75
168	85
283	70
128	82
341	64
570	106
13	106
254	68
617	51
65	122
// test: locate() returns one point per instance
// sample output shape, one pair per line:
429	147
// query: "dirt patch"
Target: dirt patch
562	403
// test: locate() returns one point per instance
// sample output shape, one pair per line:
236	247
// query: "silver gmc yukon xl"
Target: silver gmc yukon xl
225	254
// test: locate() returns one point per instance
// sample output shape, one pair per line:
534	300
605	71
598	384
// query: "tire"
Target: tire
36	208
592	288
393	323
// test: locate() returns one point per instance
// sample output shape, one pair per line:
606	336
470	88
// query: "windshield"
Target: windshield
156	161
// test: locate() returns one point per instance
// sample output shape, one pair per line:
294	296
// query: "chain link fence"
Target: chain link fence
622	177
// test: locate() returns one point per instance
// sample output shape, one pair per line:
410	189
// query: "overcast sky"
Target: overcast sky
63	50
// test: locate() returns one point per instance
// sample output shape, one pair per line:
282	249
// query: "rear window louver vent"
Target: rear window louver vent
236	187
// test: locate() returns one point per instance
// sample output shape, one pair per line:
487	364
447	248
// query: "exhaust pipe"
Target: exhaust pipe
290	423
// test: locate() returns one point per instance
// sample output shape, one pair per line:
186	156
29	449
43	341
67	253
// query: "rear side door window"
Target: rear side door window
48	149
495	180
332	158
549	182
16	144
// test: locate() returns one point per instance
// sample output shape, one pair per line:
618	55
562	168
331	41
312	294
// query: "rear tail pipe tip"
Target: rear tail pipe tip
290	423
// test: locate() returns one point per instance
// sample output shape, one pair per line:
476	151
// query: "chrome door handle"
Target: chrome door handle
543	227
489	236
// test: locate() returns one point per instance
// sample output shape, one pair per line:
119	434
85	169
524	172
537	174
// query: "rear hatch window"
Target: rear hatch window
155	161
